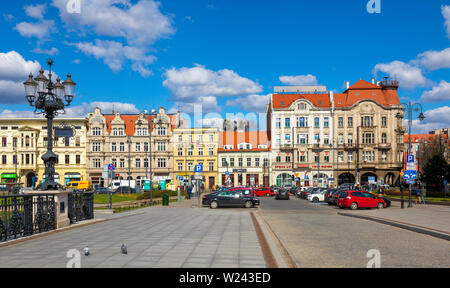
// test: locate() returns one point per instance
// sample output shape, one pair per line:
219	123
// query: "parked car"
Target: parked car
329	193
317	196
334	196
288	188
346	186
359	199
102	190
264	192
245	190
282	194
125	190
230	198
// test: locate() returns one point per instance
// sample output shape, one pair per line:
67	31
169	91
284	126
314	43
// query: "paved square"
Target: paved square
155	237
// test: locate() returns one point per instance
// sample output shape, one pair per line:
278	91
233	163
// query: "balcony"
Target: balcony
384	146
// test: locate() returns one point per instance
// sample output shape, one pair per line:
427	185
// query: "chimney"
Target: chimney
348	84
373	80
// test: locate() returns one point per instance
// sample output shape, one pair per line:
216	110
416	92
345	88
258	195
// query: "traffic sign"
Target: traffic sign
198	168
111	167
227	173
410	159
410	175
306	177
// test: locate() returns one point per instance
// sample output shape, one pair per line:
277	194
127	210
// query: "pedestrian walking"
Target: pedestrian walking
189	192
423	193
418	195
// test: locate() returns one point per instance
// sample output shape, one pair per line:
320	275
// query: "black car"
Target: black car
333	197
282	195
387	202
229	199
125	190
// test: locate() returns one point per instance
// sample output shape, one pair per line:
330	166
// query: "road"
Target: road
315	236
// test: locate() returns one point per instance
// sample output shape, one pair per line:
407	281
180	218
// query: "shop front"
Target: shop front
71	177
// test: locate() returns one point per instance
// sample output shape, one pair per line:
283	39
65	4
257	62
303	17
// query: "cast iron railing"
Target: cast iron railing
81	206
25	215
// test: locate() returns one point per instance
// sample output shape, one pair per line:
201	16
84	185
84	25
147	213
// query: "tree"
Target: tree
436	170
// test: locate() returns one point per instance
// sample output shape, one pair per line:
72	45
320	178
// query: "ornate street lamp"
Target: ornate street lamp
410	108
50	102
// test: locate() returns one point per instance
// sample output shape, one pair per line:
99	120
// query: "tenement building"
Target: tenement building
123	141
325	138
24	141
244	159
195	146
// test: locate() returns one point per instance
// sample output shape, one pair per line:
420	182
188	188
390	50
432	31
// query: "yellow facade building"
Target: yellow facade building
196	146
24	141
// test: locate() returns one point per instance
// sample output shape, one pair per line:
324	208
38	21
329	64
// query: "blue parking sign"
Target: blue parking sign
198	168
410	159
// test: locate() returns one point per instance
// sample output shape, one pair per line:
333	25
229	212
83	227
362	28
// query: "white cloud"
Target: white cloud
114	55
409	76
40	30
446	13
299	80
434	60
201	105
198	85
36	11
78	111
188	83
140	24
14	67
254	102
434	119
438	93
52	51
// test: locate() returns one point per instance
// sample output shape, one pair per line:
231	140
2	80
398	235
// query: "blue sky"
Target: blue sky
228	54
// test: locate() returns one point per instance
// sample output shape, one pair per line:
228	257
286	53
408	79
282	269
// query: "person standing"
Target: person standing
189	192
418	195
423	194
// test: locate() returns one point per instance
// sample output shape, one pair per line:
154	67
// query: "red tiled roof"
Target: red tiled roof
361	90
285	100
130	120
255	138
416	138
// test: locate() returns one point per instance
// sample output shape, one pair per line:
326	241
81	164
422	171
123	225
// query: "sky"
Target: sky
227	55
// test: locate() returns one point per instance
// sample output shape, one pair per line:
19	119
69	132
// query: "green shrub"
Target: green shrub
157	194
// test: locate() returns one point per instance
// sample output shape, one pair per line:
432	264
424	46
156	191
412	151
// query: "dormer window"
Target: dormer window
245	146
262	146
228	147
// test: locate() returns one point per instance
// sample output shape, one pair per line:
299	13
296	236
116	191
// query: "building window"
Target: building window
350	122
316	122
190	166
161	163
122	147
78	142
96	147
78	159
340	156
161	146
240	162
138	163
211	166
224	162
278	123
211	151
161	131
138	147
302	106
4	159
350	157
383	156
211	138
266	162
383	121
122	163
190	152
96	163
287	122
367	121
288	159
146	163
326	122
249	162
98	132
278	159
180	138
256	162
180	166
145	147
231	162
113	147
200	151
383	138
350	139
180	151
67	159
341	122
3	141
326	158
326	140
120	131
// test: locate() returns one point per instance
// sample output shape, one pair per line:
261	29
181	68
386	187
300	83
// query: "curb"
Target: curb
265	247
284	253
410	227
426	202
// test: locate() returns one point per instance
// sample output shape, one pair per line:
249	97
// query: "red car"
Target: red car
264	192
359	199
